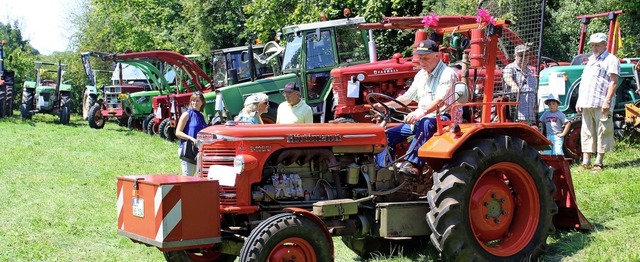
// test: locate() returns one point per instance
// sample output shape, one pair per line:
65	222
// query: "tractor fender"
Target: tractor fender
66	87
29	84
442	147
92	90
307	214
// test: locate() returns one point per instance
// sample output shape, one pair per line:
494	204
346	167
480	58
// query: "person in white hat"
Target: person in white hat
596	100
519	81
254	106
556	125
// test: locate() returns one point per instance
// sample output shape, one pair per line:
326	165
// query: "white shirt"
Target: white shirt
595	80
438	85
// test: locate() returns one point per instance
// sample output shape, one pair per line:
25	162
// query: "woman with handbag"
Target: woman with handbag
189	124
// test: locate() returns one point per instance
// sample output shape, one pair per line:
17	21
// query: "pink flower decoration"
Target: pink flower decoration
484	17
430	20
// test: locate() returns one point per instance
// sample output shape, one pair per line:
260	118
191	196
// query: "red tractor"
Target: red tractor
281	192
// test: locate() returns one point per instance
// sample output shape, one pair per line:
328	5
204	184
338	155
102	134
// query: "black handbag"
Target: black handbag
189	152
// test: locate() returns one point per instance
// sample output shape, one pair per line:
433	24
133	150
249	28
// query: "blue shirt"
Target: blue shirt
194	124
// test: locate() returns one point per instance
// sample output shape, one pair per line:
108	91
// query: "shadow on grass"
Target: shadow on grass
569	242
625	164
419	250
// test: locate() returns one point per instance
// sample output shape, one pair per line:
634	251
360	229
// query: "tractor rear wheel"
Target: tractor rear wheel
197	256
161	128
572	142
96	120
88	100
24	113
492	202
286	237
170	132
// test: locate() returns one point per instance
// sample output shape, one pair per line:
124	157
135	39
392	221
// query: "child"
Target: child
556	125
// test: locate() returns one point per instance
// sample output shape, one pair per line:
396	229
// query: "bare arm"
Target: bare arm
567	127
613	85
182	122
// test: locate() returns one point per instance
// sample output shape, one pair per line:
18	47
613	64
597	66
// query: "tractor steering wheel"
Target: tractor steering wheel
547	61
390	113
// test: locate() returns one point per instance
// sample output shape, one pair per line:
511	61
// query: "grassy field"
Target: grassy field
58	199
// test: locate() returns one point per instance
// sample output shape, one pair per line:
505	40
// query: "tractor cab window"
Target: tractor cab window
219	70
351	45
319	50
240	63
291	60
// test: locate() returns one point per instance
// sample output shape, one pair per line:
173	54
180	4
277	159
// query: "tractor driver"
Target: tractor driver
431	86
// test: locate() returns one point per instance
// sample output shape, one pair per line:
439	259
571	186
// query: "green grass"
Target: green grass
58	196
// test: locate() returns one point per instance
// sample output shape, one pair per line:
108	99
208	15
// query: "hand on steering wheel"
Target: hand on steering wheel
385	112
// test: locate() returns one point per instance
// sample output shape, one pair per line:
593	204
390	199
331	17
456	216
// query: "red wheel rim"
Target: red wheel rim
293	249
573	143
504	209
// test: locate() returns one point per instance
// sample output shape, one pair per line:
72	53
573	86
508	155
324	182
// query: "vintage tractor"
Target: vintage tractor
280	193
311	51
47	96
6	85
107	101
565	80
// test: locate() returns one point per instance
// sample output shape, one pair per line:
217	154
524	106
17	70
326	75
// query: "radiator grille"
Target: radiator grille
220	156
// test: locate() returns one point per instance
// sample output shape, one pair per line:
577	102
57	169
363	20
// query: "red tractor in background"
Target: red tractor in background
281	192
392	77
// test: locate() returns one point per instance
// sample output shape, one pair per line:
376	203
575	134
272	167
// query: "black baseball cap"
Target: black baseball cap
426	47
291	86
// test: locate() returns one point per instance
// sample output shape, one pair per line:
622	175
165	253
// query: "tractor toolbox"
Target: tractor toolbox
169	211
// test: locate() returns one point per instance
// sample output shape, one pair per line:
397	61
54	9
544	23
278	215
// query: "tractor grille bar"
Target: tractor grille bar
220	156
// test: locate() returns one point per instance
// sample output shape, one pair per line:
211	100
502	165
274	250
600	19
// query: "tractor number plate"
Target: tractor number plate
138	207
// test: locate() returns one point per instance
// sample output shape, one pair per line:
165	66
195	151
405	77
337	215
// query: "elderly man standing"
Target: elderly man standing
294	110
596	96
431	86
519	79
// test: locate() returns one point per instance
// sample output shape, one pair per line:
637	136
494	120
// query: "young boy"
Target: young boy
556	125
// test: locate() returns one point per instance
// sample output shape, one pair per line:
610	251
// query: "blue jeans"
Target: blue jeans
556	145
425	126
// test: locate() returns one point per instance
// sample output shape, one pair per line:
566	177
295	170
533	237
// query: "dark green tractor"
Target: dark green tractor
45	95
311	51
6	85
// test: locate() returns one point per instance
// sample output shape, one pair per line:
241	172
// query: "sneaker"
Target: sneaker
597	168
408	168
583	167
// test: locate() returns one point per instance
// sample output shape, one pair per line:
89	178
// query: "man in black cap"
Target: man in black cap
431	86
294	110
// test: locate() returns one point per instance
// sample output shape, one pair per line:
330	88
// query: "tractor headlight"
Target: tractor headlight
238	164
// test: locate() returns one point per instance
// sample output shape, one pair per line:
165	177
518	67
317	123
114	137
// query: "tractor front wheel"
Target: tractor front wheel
572	142
96	120
64	115
492	202
161	128
197	256
286	237
145	122
152	127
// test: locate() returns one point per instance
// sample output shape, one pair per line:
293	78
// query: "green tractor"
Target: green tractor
6	86
564	81
311	51
47	96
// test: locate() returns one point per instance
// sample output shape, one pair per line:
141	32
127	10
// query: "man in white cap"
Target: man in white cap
596	97
520	81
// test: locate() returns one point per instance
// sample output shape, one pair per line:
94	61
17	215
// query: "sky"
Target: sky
43	22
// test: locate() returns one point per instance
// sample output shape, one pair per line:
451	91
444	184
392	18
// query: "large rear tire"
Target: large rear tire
88	100
2	104
492	202
65	115
197	256
96	120
145	123
286	237
572	142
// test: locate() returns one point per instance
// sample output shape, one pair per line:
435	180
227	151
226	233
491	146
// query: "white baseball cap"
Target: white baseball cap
597	38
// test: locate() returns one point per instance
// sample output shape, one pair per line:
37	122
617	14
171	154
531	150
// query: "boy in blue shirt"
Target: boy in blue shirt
556	125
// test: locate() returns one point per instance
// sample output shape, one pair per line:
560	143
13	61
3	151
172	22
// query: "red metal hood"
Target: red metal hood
325	134
386	68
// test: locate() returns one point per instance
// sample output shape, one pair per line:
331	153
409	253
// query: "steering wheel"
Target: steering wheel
390	113
548	60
